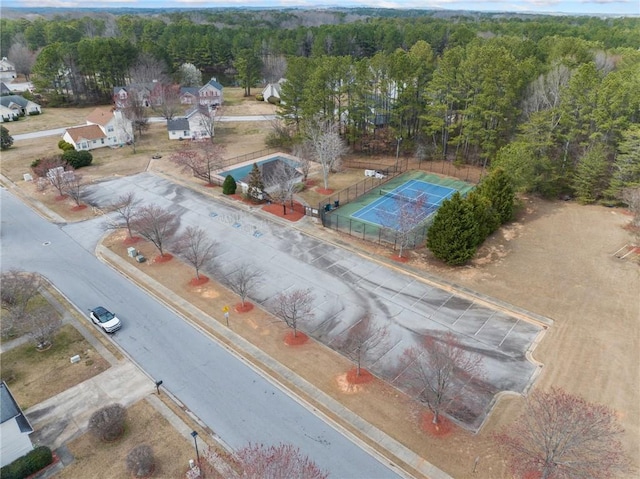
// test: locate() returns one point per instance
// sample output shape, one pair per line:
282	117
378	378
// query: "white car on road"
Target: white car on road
105	319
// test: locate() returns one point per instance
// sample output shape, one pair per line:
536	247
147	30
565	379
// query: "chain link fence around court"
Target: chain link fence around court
335	216
378	234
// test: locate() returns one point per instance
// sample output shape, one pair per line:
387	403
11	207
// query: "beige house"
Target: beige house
105	127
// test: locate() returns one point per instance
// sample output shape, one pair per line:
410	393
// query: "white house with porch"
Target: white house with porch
14	428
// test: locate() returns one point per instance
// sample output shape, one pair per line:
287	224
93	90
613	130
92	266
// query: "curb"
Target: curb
247	352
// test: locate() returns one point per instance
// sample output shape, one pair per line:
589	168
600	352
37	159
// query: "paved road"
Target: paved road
230	397
155	119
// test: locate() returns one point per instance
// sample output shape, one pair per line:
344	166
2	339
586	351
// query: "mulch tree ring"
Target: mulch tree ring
131	240
292	214
532	475
310	183
297	340
441	429
79	207
399	259
61	197
243	308
199	281
163	258
354	378
325	192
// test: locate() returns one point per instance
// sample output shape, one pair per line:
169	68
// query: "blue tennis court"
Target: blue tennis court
423	195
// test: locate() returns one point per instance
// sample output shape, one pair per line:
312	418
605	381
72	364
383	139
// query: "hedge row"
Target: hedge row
28	464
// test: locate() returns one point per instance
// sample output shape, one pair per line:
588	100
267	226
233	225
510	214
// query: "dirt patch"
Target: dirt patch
144	425
34	376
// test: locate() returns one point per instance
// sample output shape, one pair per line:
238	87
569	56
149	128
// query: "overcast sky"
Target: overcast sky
599	7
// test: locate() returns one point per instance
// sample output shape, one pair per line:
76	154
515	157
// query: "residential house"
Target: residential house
7	114
148	94
113	123
86	137
14	428
273	90
7	69
210	94
4	89
105	127
20	104
195	125
179	129
189	95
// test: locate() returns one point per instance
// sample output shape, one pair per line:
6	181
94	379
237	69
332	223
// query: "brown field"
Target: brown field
144	425
29	372
556	260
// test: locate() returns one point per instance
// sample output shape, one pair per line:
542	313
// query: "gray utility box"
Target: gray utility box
140	258
131	251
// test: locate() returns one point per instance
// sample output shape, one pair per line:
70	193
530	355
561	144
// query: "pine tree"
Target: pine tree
453	236
6	140
229	186
487	216
626	167
590	177
499	190
256	184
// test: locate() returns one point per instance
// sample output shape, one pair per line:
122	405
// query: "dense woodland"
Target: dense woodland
552	100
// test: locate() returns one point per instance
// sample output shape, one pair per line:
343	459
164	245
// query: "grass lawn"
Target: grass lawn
144	425
34	376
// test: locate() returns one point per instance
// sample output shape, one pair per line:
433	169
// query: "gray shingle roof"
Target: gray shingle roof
9	409
178	124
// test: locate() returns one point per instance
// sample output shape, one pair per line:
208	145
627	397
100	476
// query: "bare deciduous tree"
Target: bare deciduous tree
326	146
17	290
436	369
244	280
200	158
258	461
41	325
562	436
196	247
294	306
60	177
74	187
280	181
148	69
631	196
126	207
156	225
301	152
362	340
140	461
22	58
107	424
135	111
402	220
170	105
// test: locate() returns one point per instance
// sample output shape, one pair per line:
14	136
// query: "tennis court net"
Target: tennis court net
421	198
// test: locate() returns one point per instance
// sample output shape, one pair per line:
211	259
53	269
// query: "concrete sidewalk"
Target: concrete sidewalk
245	348
65	416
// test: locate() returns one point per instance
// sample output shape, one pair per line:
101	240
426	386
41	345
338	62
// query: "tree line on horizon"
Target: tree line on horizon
551	100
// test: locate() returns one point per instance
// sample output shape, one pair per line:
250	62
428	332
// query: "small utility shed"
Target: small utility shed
14	429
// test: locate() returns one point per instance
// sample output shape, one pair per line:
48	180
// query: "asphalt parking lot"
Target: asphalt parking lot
347	285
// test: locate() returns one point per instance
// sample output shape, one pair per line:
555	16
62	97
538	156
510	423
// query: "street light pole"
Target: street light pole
399	139
194	435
